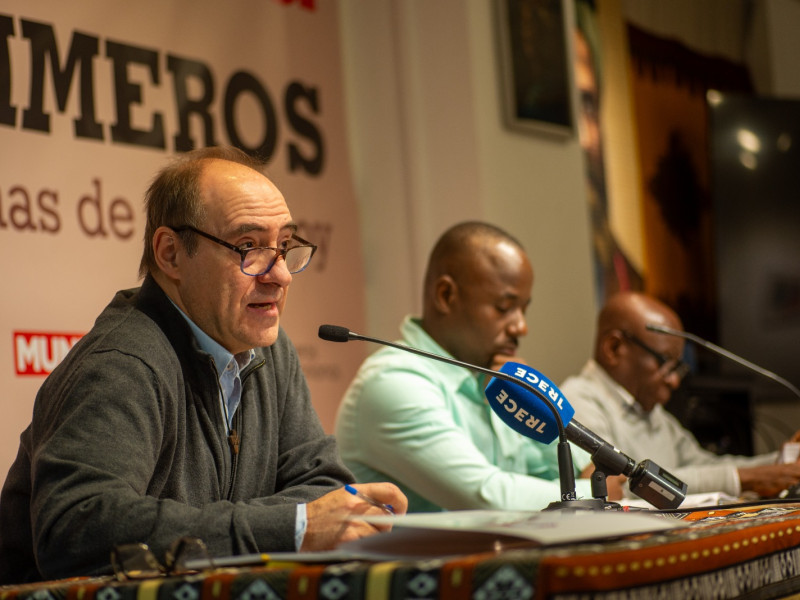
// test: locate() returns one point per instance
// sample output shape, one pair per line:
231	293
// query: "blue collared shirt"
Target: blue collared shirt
229	367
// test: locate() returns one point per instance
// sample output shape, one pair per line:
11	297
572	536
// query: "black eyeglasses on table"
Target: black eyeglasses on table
137	560
670	365
258	261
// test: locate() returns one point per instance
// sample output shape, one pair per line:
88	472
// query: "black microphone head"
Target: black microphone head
334	333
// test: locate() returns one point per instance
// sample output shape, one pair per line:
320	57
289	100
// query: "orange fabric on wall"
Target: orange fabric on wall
669	84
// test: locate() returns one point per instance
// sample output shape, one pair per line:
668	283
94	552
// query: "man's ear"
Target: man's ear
445	292
610	348
166	244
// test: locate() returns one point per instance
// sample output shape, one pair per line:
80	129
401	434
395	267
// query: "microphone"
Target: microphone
722	352
534	414
523	412
566	474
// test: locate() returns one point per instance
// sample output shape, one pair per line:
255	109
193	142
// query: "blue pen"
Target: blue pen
387	507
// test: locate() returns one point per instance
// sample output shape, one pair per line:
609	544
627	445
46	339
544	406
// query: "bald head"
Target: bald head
175	196
632	312
477	288
634	356
461	248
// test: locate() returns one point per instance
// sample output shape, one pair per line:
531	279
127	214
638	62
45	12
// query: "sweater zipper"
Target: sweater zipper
233	437
234	440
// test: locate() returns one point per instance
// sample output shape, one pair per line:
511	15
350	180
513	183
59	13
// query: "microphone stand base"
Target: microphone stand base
583	504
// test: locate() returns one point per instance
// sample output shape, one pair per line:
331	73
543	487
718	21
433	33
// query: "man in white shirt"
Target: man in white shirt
621	392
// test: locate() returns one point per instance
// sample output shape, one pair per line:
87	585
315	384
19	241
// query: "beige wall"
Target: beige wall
430	149
782	21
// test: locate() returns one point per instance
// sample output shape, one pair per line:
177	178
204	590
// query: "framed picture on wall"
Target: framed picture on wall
534	66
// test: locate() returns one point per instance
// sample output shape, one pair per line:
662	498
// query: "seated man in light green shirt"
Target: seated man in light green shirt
426	425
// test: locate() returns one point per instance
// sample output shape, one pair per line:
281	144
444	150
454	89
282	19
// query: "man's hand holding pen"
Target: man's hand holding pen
329	522
387	508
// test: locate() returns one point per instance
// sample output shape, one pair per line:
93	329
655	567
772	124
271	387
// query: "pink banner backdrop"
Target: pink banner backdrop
94	98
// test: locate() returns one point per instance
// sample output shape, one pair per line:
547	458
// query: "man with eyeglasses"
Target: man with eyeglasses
184	411
621	392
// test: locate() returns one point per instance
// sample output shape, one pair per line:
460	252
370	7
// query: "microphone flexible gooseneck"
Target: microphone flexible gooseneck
726	353
524	414
336	333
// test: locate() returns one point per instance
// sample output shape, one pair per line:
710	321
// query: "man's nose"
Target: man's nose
518	327
278	273
673	379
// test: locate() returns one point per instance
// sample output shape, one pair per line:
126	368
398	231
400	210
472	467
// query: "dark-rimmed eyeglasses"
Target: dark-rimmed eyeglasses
137	561
667	364
258	261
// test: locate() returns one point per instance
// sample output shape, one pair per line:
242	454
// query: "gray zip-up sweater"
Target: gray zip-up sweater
127	444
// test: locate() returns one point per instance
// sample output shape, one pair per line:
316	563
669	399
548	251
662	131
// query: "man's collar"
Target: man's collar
624	396
416	336
220	355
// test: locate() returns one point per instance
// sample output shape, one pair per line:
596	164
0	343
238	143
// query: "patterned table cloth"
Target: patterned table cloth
746	551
